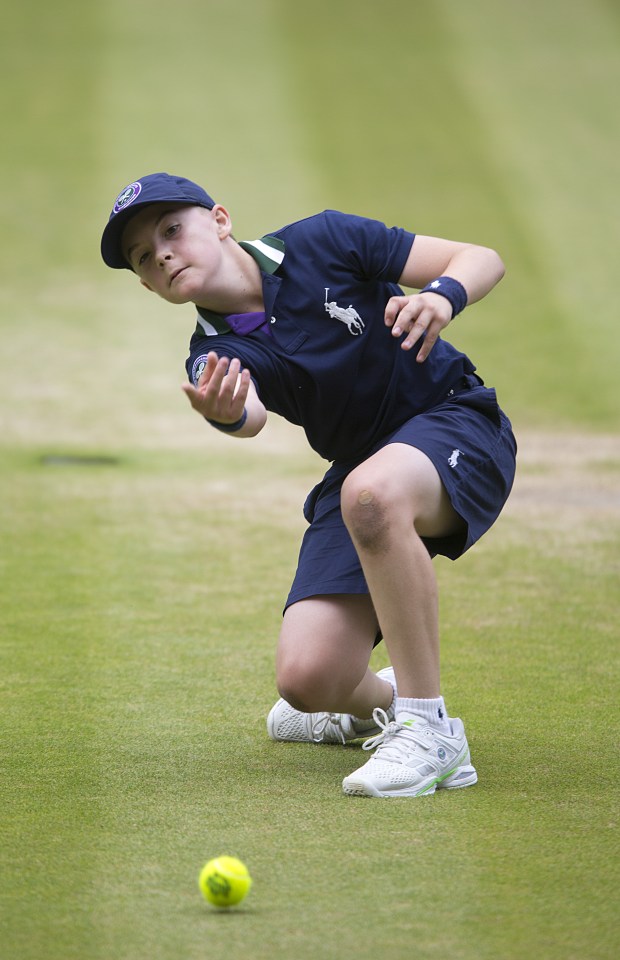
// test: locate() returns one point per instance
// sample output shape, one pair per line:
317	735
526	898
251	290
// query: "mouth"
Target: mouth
177	273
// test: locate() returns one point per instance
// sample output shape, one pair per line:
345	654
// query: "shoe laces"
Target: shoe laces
395	739
322	722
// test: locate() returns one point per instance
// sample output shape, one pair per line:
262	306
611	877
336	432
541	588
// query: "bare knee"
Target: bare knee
301	685
294	690
315	686
367	513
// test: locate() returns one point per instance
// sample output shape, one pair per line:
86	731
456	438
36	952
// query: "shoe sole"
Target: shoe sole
464	776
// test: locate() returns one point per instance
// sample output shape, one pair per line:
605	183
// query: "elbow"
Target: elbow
489	266
501	267
497	268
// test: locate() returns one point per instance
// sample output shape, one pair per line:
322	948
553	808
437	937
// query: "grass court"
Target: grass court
144	559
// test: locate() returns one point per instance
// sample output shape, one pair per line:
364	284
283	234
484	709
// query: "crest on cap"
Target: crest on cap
127	196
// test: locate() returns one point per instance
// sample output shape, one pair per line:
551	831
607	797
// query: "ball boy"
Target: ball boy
310	322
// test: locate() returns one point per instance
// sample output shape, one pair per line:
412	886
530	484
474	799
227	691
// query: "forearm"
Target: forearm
477	268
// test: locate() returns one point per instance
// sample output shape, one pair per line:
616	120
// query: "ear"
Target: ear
223	223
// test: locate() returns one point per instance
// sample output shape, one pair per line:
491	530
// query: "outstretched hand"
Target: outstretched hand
221	391
415	315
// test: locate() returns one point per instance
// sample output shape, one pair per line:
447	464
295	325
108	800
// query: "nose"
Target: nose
163	255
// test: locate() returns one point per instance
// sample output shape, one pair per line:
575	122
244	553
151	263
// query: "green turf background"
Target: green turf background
140	598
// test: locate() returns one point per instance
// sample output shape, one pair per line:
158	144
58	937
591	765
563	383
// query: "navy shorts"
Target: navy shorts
471	444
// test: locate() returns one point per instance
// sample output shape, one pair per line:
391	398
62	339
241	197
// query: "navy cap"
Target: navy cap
155	188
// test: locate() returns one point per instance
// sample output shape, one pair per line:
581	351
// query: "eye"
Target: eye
172	229
143	258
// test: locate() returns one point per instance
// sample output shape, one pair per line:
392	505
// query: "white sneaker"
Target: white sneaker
412	758
286	723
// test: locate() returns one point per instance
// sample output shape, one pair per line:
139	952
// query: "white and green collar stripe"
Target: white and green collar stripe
268	252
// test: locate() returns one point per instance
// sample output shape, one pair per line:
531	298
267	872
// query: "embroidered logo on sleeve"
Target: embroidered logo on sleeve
348	315
453	459
197	368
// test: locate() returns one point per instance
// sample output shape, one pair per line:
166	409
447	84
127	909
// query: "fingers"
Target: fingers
416	316
221	391
208	370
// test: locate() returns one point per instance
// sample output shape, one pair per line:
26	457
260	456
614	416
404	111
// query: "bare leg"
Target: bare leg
323	653
388	503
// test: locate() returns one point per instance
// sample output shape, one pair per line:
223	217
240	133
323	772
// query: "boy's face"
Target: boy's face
177	250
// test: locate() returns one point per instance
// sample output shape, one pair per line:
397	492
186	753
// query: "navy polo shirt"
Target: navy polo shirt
327	361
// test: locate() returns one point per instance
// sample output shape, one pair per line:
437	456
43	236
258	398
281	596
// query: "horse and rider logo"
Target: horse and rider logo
348	315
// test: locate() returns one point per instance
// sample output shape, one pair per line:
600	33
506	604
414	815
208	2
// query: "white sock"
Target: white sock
432	710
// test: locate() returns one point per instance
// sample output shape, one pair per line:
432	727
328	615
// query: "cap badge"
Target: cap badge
127	196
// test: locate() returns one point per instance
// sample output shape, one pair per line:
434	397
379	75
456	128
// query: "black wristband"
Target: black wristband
451	289
229	427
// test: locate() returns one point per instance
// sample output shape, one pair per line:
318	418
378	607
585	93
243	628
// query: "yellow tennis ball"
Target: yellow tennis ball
224	881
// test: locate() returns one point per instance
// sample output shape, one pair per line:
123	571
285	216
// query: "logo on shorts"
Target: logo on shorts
348	315
128	196
453	459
